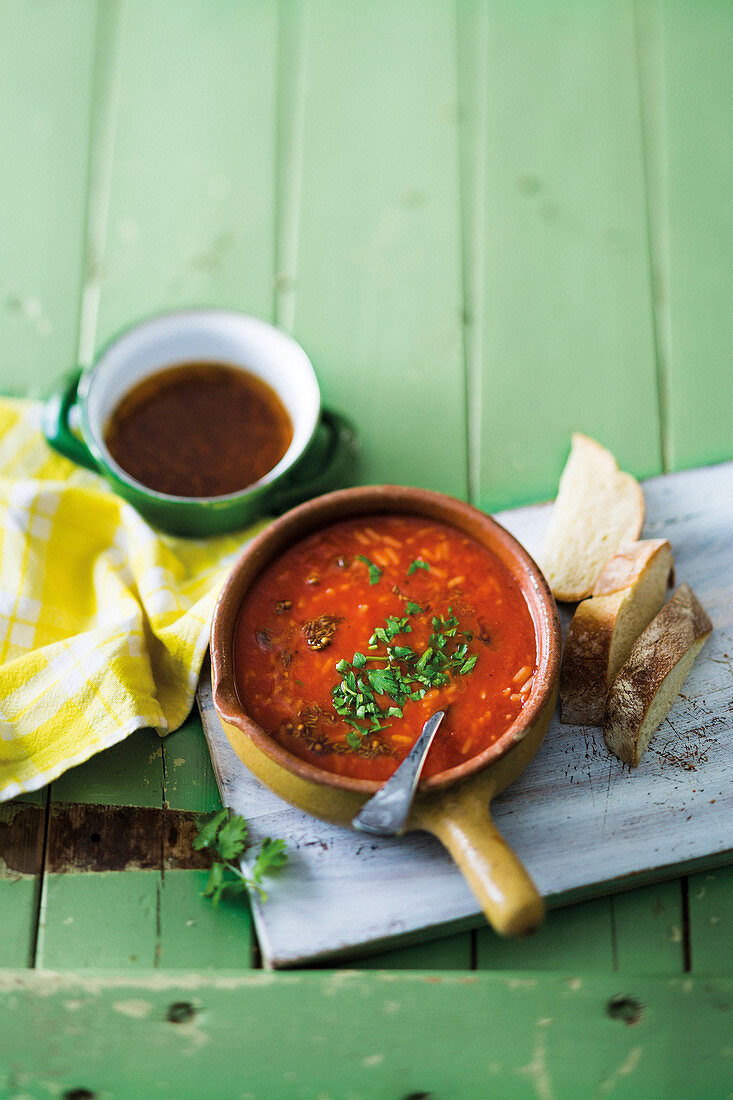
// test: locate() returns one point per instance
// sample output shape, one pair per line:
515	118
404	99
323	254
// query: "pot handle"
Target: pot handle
498	879
56	422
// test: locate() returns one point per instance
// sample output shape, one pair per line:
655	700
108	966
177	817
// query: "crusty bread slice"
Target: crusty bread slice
642	694
598	508
628	594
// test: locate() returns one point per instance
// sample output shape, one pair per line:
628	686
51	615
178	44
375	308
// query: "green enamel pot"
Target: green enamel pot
453	805
322	455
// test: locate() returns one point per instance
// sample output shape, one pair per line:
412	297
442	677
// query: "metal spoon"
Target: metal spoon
386	812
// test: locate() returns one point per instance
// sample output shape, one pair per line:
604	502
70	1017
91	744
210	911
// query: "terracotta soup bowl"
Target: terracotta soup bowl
453	804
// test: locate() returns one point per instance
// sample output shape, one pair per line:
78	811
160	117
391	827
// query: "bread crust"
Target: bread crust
632	587
625	567
647	685
583	672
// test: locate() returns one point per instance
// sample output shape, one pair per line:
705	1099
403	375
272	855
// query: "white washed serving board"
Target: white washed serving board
582	822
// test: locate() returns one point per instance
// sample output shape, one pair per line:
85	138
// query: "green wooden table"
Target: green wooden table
490	223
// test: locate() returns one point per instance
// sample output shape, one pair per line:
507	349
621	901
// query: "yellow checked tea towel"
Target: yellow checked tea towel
104	622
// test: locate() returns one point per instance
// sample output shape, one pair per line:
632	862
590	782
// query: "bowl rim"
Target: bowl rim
93	432
367	500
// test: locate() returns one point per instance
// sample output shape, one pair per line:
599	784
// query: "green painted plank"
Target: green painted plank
577	938
649	930
190	219
18	905
46	81
568	335
639	931
106	920
364	1036
447	953
710	901
650	53
189	782
472	44
695	174
111	918
374	256
127	774
196	935
22	828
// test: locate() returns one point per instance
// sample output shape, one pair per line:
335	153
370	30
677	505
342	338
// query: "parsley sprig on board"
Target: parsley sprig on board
402	674
225	836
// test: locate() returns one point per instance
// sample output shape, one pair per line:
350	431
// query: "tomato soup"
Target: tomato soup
348	642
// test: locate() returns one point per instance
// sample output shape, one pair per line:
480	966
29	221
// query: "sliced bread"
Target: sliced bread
598	508
648	683
627	595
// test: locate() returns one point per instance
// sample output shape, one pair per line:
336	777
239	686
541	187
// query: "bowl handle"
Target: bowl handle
57	429
330	463
498	879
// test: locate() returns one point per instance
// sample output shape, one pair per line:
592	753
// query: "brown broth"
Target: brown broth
199	429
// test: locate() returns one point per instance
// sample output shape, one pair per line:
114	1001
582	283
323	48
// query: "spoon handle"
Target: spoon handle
386	813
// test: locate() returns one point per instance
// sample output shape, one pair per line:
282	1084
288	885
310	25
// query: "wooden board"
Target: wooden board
582	822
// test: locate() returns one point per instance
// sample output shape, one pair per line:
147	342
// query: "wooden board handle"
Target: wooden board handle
498	879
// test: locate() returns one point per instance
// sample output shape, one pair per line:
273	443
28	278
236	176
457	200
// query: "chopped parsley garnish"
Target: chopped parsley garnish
374	571
418	563
402	674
